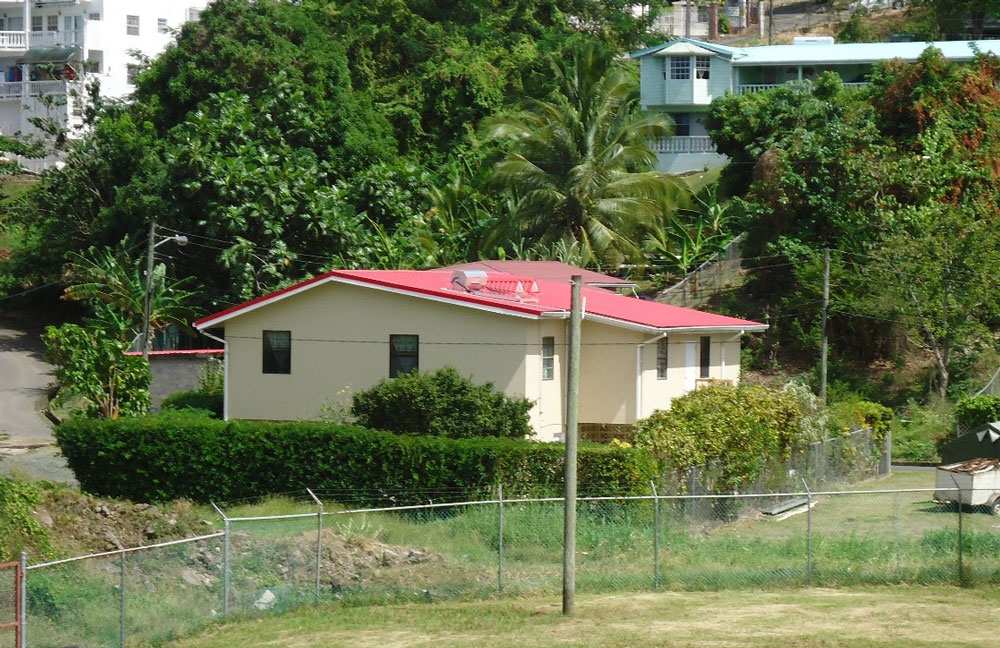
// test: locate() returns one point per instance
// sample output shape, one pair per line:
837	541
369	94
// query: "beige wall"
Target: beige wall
340	336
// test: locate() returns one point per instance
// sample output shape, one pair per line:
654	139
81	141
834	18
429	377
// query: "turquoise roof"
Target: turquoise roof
839	53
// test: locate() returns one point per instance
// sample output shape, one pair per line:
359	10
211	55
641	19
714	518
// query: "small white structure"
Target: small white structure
970	483
50	49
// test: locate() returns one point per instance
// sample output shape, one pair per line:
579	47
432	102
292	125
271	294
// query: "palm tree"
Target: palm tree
580	161
115	286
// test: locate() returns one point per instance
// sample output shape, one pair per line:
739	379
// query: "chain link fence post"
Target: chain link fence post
121	599
656	536
809	534
225	560
500	539
22	608
319	539
958	503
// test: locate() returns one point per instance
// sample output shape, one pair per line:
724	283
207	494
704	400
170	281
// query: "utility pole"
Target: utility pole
149	289
687	19
572	394
826	311
770	21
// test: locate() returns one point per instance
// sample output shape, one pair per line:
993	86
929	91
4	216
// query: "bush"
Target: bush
178	455
742	427
973	411
195	400
442	403
851	415
18	528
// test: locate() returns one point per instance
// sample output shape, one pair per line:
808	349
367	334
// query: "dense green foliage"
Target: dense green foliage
91	364
900	180
742	427
442	403
19	530
178	455
973	411
195	399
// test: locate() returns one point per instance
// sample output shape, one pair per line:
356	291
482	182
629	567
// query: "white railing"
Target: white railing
53	38
18	89
15	40
747	88
689	144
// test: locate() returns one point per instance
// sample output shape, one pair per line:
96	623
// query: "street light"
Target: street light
180	240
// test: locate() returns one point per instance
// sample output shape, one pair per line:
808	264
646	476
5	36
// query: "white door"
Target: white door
690	366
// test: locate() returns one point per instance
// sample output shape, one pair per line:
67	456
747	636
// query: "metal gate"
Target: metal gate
11	628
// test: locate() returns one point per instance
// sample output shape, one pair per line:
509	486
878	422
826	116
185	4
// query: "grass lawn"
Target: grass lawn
883	616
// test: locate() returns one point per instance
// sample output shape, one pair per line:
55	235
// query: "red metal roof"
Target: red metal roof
547	270
552	299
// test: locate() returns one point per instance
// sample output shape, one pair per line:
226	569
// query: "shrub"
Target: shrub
741	427
973	411
442	403
179	455
195	400
18	528
851	415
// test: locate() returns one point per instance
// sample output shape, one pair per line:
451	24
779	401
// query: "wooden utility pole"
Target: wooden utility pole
770	21
687	19
826	311
149	289
572	394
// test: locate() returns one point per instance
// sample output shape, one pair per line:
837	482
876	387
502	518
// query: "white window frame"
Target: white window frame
52	23
548	358
680	68
702	67
162	27
131	72
132	25
37	23
662	358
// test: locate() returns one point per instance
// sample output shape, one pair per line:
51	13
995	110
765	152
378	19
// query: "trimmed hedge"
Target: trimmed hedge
197	400
178	455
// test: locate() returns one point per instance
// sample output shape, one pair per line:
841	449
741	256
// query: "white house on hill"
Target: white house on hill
683	76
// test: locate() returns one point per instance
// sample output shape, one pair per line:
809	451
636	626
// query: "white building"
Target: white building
49	50
682	78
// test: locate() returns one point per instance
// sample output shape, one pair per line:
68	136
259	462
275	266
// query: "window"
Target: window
702	67
94	16
277	352
131	72
706	356
52	23
132	25
703	14
36	23
161	26
193	14
661	358
404	354
680	68
548	358
682	124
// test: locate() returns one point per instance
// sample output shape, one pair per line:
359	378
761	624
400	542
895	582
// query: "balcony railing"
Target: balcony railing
747	88
56	38
683	144
13	40
19	89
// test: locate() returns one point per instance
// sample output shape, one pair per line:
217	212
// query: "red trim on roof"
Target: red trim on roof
179	352
551	297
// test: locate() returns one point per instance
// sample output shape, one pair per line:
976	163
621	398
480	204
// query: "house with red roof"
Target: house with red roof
289	352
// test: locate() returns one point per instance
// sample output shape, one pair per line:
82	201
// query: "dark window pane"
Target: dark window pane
404	354
661	359
548	358
277	352
706	356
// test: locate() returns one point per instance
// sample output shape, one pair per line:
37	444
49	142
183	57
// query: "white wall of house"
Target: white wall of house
340	335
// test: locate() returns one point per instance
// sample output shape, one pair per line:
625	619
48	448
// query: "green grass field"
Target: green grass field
820	618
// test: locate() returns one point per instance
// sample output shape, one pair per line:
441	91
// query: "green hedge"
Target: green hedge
973	411
198	400
178	455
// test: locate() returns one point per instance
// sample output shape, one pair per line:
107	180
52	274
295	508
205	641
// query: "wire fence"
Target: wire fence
278	554
709	279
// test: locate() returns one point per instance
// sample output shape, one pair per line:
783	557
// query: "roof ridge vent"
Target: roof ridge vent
470	280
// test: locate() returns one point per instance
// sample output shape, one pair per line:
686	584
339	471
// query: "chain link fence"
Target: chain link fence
371	547
709	279
10	608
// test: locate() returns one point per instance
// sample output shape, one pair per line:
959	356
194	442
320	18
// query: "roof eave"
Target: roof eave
750	327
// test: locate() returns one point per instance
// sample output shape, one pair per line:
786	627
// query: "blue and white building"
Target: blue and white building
683	76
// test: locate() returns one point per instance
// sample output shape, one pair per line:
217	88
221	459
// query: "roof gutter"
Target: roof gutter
741	329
